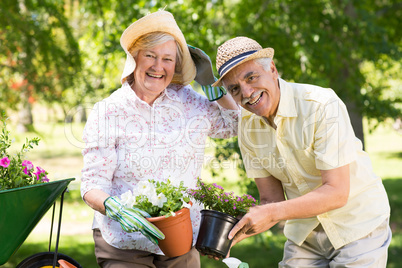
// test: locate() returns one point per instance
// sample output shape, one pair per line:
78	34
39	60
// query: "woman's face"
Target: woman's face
154	71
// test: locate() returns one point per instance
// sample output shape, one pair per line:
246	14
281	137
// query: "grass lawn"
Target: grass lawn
59	153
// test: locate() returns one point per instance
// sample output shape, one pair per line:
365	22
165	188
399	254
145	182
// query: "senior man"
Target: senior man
298	144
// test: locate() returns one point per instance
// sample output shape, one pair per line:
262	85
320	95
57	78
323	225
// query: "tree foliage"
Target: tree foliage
68	51
39	56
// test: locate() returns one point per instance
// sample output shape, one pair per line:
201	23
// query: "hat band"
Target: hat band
233	61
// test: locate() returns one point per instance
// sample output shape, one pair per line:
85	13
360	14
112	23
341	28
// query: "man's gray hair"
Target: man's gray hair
264	62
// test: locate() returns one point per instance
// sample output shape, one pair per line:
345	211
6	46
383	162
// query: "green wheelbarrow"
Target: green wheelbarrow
21	209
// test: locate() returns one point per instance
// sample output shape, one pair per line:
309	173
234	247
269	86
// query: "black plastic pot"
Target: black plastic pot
213	236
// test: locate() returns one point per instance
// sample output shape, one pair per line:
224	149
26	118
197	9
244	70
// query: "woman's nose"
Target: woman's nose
157	65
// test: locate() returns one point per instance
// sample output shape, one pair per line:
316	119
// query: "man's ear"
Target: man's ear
273	69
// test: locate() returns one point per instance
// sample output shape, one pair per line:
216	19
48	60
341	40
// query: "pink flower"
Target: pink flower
5	162
38	173
28	166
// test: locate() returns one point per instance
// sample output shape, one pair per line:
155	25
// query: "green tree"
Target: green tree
39	56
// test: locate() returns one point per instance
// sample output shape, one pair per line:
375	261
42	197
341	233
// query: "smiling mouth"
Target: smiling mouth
255	100
154	75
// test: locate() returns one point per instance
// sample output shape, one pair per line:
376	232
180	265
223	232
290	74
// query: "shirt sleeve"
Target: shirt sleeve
334	141
224	122
218	122
100	156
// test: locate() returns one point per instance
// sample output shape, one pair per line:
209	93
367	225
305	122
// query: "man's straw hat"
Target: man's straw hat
160	21
237	51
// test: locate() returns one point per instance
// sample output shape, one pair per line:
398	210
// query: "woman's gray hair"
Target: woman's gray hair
152	40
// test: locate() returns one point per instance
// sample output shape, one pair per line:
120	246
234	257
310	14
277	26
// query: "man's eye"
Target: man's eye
253	77
234	90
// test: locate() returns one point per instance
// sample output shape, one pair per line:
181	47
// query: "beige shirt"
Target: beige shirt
314	133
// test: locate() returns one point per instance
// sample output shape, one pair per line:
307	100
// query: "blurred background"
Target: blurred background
59	57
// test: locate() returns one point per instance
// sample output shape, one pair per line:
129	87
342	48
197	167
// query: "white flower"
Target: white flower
128	199
159	200
146	188
186	205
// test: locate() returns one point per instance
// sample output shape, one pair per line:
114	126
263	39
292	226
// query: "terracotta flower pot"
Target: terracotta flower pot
214	230
178	233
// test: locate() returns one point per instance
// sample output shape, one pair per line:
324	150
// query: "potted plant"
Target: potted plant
168	204
221	214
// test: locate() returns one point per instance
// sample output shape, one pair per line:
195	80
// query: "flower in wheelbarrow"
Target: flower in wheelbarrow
5	162
28	166
14	171
41	174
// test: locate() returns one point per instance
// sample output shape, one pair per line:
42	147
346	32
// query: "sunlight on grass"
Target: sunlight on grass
384	146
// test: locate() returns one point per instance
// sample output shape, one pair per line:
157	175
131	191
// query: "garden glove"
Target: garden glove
132	219
205	76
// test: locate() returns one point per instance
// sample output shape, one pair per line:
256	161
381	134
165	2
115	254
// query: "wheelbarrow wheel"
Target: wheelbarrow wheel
45	260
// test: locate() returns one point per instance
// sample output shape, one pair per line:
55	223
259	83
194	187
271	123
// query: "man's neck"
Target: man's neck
270	121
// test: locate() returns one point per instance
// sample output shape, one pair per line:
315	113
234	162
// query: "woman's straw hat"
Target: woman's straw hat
160	21
237	51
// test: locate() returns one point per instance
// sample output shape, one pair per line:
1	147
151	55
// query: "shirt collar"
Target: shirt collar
170	92
287	107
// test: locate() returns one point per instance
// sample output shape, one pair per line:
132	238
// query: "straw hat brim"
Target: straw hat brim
262	53
160	21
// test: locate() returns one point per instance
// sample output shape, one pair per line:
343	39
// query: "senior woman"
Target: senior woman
154	127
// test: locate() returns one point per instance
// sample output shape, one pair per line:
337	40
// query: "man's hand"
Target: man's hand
256	221
132	219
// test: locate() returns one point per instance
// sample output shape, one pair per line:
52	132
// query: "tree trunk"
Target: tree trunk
356	120
25	119
354	113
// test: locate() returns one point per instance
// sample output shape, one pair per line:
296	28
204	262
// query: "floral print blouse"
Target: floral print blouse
128	141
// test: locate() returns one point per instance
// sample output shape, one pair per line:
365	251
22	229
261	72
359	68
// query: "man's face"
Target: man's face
254	88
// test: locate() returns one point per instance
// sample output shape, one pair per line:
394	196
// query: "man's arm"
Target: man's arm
332	194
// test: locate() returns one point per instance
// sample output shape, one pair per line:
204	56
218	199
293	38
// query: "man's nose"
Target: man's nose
246	90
